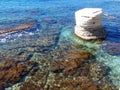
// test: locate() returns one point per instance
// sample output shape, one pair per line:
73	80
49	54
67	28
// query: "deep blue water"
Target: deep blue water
62	11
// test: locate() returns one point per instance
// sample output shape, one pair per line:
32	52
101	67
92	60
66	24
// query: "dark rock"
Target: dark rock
79	72
76	59
49	21
80	64
12	72
32	84
112	48
78	83
98	71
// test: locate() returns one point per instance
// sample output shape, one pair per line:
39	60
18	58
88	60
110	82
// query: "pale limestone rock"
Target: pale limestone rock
89	23
89	34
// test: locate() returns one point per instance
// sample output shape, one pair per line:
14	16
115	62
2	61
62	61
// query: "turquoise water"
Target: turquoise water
44	34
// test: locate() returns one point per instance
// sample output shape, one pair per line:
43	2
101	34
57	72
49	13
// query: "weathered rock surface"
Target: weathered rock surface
89	18
89	23
49	20
89	34
76	73
76	59
18	27
112	48
12	71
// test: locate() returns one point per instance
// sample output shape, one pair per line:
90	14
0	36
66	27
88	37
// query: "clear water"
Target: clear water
44	34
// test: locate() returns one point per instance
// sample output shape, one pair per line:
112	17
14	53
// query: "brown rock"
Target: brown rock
12	71
2	85
32	83
98	71
76	59
30	86
18	28
76	73
78	83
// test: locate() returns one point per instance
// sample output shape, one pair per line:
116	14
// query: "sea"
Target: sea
54	26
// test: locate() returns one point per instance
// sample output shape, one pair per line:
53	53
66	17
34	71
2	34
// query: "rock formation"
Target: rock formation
18	27
89	23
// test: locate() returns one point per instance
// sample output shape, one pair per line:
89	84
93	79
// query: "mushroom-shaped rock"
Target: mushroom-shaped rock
89	23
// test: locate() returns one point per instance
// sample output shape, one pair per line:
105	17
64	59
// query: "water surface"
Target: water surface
55	28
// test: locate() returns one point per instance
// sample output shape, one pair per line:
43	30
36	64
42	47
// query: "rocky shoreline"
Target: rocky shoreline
50	63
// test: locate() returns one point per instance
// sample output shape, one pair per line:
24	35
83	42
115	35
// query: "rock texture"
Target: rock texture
12	71
24	26
112	48
76	73
89	23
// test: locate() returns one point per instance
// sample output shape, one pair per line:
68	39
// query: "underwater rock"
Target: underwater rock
78	72
75	83
49	21
39	79
12	71
81	64
32	12
98	71
37	82
76	59
112	48
43	42
30	86
89	23
18	27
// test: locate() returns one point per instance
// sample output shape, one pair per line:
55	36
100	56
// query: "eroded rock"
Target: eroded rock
49	20
89	24
18	27
112	48
76	59
12	72
79	72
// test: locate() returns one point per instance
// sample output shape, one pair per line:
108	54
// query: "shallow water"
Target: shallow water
46	36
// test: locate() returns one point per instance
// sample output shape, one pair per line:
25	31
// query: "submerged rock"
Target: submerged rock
112	48
76	59
39	79
78	72
12	72
78	83
81	65
19	27
98	71
49	21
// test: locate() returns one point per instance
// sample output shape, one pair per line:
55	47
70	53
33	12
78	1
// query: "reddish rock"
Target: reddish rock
78	83
32	83
12	71
76	59
79	72
80	65
18	27
30	86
